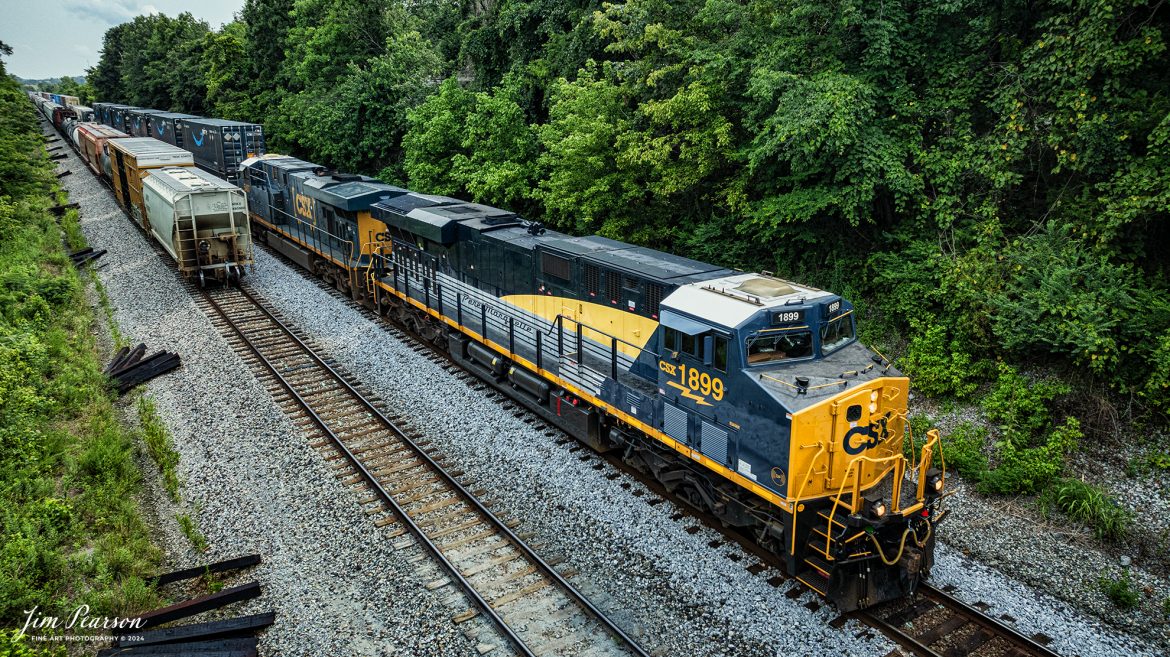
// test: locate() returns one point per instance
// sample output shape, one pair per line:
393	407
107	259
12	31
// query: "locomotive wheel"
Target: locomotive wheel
690	494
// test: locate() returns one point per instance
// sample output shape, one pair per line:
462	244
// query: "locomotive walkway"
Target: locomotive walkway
413	496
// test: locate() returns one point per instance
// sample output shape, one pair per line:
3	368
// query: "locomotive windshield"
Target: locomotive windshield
765	348
836	333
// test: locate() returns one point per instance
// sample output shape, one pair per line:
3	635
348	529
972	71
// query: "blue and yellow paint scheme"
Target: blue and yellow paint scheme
745	394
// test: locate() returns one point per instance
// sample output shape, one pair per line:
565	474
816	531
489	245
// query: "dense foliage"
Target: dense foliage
991	181
70	528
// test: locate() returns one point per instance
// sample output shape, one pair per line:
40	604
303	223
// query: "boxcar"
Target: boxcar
91	141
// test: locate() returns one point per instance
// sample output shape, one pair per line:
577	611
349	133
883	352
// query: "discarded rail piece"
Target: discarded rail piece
217	567
85	255
131	367
235	637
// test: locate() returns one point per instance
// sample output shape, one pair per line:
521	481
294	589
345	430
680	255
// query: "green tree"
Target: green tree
226	73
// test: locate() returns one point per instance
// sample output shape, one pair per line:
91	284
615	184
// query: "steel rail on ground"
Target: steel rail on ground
415	530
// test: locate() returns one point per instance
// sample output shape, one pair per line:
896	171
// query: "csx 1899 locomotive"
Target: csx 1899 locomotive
746	394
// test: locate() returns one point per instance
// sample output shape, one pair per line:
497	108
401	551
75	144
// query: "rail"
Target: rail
448	479
962	630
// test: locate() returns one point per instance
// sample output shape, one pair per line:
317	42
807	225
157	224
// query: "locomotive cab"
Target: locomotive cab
767	378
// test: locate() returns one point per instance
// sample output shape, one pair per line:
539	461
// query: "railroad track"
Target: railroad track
933	623
936	624
529	604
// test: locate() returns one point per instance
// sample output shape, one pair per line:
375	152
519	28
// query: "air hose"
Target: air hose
901	544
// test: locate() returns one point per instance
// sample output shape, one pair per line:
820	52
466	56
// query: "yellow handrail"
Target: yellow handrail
800	493
934	439
899	465
924	461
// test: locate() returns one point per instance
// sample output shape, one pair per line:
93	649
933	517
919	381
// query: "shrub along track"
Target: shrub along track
932	623
530	604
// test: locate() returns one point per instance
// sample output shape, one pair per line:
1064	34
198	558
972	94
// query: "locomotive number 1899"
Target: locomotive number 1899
691	381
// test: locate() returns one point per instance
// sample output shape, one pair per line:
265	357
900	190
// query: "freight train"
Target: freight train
745	394
200	220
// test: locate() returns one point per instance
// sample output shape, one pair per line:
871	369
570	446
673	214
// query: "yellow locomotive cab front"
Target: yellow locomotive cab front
828	437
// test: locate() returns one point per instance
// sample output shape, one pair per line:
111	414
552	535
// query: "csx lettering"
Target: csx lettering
859	439
691	380
304	206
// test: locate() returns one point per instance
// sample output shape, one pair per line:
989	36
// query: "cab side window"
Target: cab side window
719	358
669	339
692	345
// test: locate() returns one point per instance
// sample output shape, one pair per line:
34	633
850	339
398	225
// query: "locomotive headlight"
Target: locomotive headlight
934	480
875	506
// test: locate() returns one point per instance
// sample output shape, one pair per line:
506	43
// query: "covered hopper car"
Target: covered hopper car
201	221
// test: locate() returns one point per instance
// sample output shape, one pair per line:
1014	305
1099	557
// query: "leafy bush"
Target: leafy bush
938	363
1090	505
1063	299
1029	469
1160	460
1021	408
963	448
1120	591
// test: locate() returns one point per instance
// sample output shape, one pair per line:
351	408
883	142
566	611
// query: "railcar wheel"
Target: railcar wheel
202	281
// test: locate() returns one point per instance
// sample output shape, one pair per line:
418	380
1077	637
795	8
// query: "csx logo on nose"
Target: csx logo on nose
859	439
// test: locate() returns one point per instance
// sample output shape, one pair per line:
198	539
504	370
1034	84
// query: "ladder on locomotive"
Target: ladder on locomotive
829	540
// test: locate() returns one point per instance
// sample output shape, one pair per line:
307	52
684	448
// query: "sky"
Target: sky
52	38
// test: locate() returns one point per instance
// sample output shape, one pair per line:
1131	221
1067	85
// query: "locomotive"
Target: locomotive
747	395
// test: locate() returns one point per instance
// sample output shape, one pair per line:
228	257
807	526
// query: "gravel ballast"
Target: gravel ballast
253	485
338	586
662	582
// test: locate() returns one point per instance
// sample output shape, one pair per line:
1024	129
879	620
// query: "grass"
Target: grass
71	532
1121	591
107	309
191	531
1088	504
158	443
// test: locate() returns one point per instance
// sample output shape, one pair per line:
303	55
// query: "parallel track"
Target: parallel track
531	605
931	624
966	631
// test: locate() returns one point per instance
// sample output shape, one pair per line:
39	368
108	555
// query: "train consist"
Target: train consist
197	218
745	394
